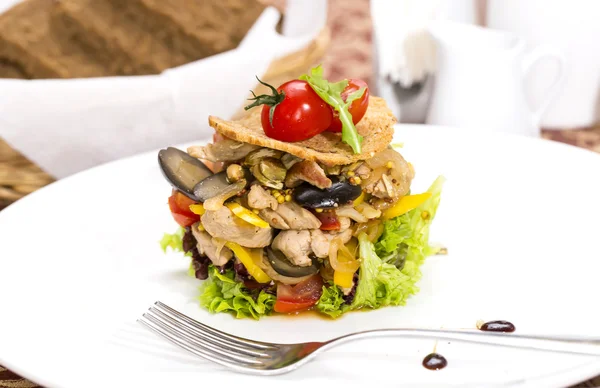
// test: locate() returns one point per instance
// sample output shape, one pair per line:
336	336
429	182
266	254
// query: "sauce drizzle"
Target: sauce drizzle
435	361
498	326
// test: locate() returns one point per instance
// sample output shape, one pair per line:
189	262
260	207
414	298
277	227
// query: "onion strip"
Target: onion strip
350	212
216	202
375	176
340	257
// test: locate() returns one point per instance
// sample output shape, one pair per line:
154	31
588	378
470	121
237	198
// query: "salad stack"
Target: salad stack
304	204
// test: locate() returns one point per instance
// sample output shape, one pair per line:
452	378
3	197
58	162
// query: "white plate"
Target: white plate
80	261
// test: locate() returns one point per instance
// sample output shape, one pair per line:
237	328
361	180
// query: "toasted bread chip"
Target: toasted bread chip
377	128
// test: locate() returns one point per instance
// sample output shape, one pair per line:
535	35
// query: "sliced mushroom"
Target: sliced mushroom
225	150
272	169
182	171
215	185
254	157
333	170
284	267
289	160
217	201
257	171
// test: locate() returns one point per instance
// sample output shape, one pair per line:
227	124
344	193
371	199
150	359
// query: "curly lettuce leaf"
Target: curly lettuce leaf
332	301
173	241
221	293
390	269
410	231
379	283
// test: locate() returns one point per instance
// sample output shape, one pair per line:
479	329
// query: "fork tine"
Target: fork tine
189	343
211	341
199	352
200	326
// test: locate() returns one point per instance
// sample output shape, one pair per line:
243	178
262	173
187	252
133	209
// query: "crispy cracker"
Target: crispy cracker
377	128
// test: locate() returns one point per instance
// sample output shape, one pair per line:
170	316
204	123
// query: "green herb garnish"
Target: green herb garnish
331	93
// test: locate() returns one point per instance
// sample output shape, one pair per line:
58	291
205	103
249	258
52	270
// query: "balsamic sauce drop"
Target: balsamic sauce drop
498	326
434	361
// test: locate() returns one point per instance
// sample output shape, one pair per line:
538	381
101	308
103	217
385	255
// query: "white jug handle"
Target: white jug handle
537	54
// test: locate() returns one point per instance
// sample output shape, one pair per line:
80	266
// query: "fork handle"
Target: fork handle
554	343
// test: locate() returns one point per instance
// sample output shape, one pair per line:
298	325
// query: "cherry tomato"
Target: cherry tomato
301	114
299	297
286	307
357	109
183	202
180	209
184	220
329	220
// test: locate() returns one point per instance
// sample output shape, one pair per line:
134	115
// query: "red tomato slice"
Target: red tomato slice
301	115
285	307
183	203
300	296
180	210
184	220
329	220
357	109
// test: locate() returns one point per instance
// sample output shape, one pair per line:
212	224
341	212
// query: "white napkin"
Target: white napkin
405	49
66	126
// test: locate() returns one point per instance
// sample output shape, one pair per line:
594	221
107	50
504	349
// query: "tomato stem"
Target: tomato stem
271	100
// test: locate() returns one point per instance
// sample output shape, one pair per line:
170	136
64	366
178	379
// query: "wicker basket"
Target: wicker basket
19	176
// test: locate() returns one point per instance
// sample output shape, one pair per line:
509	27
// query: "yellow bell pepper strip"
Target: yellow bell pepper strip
344	275
343	279
360	199
405	204
197	208
247	215
250	258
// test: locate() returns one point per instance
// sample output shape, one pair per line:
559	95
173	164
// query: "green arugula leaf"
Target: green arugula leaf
331	93
354	96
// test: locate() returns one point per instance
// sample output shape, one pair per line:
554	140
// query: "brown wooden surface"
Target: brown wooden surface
349	55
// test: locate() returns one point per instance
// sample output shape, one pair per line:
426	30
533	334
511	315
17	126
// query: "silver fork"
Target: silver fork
265	358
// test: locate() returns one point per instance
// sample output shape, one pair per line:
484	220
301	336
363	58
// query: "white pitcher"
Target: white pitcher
480	80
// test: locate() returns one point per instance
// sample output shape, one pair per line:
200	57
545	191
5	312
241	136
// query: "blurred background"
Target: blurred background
83	82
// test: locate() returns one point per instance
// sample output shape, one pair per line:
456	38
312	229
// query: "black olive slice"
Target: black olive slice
340	193
284	267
